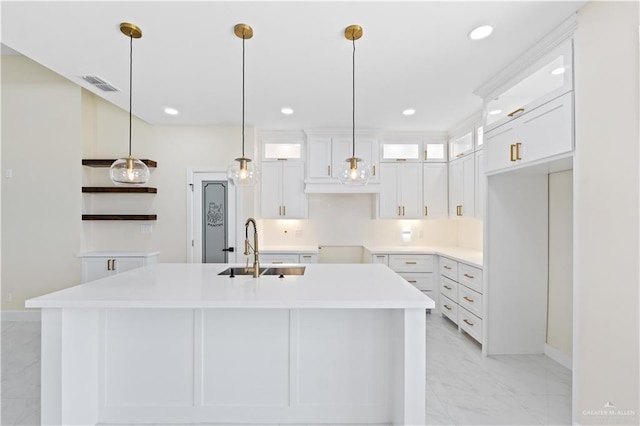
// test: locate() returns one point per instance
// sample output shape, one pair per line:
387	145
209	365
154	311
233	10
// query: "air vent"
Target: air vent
100	83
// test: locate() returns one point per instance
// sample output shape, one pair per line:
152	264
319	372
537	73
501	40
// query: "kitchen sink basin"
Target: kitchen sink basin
285	270
240	270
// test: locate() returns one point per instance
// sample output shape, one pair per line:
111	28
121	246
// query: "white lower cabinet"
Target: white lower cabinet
96	265
417	269
278	258
461	295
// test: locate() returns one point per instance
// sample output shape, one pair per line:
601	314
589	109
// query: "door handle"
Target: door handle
512	156
230	249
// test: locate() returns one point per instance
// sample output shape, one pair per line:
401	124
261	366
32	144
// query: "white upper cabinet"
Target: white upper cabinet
391	152
342	148
462	187
461	145
544	80
538	135
282	190
400	194
435	188
435	151
274	151
319	159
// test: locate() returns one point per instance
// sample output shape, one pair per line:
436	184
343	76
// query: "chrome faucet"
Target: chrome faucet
248	247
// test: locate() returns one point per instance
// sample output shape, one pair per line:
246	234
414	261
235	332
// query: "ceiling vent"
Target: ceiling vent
100	83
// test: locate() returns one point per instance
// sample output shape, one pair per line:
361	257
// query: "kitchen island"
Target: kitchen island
178	343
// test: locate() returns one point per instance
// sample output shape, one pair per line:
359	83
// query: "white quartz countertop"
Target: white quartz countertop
472	257
176	285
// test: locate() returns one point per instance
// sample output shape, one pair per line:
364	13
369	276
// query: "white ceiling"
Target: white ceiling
413	55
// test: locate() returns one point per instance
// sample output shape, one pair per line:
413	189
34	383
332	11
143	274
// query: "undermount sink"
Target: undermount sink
285	270
240	270
280	270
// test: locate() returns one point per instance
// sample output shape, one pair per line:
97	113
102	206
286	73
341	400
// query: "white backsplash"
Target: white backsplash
348	219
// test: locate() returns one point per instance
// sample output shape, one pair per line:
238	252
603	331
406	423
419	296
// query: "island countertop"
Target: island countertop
176	285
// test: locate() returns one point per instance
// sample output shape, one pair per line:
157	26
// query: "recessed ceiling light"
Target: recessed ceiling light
170	111
558	71
409	111
495	112
481	32
286	111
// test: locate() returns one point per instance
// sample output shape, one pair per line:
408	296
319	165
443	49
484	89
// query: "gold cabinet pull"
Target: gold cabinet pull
411	263
426	211
113	264
306	256
412	281
281	159
447	307
401	159
328	170
108	264
399	211
447	267
469	323
374	170
284	210
468	276
467	299
402	210
460	155
459	210
518	111
277	263
512	155
447	287
518	144
380	256
425	154
279	210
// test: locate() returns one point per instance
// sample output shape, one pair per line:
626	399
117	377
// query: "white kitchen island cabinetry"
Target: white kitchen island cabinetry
289	254
180	344
101	264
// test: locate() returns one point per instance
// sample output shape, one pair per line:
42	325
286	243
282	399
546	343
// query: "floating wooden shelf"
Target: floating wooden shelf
119	217
108	163
120	189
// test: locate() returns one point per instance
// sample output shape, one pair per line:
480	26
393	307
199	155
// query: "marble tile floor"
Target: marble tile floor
463	388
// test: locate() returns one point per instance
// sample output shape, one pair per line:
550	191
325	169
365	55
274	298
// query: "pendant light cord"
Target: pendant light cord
130	86
353	104
243	94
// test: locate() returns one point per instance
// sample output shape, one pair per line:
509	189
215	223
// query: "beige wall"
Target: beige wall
41	145
606	335
560	293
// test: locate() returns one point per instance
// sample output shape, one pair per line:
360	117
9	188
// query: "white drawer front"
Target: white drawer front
449	288
279	258
308	258
380	258
470	300
449	308
470	276
422	281
449	268
411	262
470	323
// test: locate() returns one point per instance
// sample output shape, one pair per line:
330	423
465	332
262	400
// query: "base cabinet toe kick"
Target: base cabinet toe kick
233	366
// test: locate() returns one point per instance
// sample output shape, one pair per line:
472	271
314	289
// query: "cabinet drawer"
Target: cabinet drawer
279	258
380	258
308	258
470	276
449	268
470	323
411	262
449	309
470	300
449	288
423	281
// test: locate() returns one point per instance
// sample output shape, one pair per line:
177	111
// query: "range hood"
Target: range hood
335	187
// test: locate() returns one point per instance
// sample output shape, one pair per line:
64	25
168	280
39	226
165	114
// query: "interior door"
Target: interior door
214	222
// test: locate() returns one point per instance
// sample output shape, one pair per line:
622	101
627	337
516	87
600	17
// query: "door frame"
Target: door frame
193	243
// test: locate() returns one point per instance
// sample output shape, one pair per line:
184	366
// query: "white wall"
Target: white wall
41	145
560	293
606	181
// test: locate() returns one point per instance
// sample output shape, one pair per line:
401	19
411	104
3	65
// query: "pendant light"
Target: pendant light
129	171
243	171
354	170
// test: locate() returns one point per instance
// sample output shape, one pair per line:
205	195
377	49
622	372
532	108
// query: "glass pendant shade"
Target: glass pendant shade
354	171
129	171
243	172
